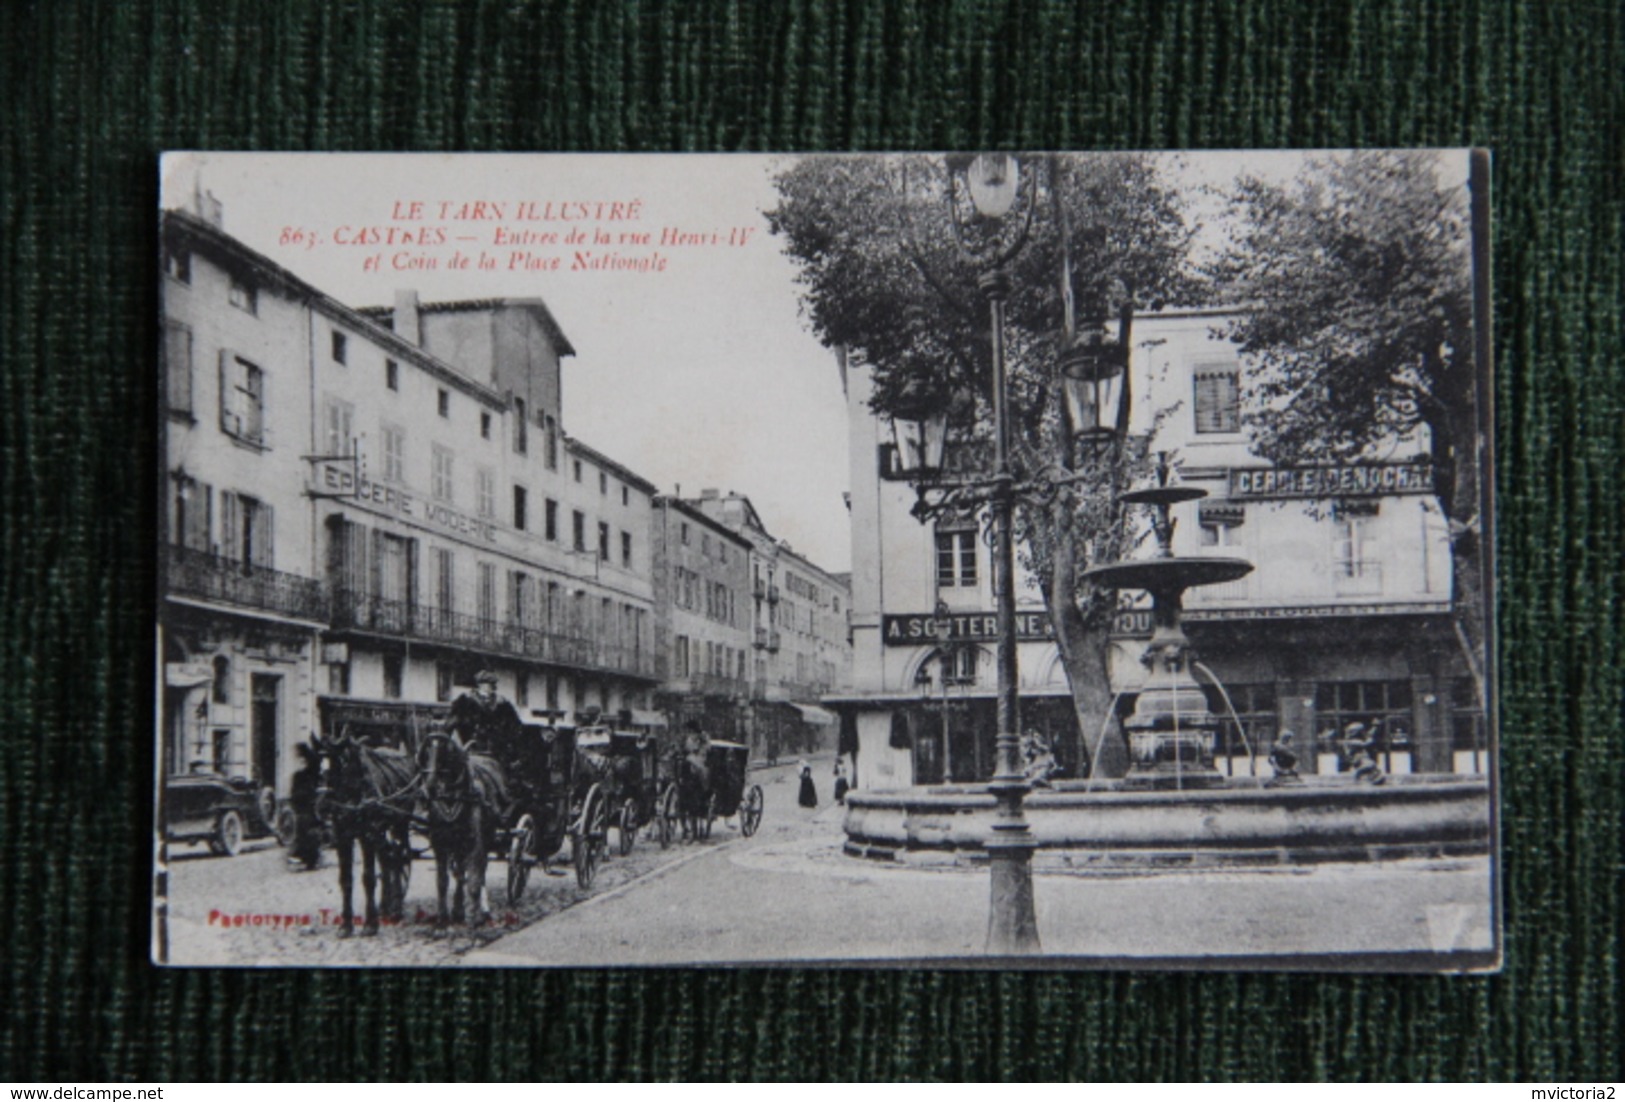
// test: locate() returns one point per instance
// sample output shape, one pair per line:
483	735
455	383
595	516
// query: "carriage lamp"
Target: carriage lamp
1092	368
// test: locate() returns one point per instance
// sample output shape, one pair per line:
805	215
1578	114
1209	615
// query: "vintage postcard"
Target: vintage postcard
985	559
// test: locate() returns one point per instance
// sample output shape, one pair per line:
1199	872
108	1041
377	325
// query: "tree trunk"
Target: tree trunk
1083	647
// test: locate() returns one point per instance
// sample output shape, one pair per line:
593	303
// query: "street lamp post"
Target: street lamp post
991	200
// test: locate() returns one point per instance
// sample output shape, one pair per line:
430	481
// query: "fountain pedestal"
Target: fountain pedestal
1171	733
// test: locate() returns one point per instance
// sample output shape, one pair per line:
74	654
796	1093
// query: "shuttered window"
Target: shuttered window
178	367
1218	398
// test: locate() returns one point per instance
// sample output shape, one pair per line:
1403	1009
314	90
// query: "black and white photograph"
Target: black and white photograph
983	559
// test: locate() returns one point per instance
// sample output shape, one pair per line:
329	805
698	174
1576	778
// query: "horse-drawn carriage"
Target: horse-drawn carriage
707	783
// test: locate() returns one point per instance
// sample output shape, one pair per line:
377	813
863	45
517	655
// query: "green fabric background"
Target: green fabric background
91	93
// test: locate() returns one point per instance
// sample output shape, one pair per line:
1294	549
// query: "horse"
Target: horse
466	797
367	799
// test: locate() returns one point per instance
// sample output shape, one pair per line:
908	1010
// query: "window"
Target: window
242	399
487	592
577	469
519	598
685	533
485	424
603	541
338	678
551	443
682	656
521	690
1385	707
178	263
626	549
551	519
243	295
194	501
445	680
578	527
445	580
626	495
519	503
392	676
1356	565
603	483
440	483
1257	708
246	531
338	420
392	375
705	544
521	435
1217	398
341	347
178	367
394	453
485	491
443	402
956	558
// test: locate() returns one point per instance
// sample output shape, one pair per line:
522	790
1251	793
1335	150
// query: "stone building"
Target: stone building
1345	619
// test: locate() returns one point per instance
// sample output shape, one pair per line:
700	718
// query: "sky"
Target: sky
693	365
700	375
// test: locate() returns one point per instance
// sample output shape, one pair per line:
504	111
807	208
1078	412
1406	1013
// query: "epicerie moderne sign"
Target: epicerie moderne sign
916	628
1358	480
337	478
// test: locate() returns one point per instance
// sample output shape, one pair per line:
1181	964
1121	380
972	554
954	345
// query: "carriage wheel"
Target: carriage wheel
286	827
520	842
228	834
750	816
587	844
666	815
629	825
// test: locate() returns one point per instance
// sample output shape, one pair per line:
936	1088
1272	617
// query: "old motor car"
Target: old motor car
223	811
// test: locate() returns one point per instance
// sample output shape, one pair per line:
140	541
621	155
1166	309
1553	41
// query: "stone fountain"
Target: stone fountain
1171	733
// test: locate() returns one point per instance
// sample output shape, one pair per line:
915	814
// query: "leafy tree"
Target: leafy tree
882	272
1359	330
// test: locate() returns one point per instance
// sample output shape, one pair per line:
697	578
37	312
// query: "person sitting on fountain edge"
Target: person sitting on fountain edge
1284	760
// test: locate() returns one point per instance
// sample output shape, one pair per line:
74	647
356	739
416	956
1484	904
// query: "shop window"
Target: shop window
1217	399
392	676
1259	714
1384	707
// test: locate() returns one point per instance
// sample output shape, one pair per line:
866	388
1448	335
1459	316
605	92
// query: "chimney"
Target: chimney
406	317
709	494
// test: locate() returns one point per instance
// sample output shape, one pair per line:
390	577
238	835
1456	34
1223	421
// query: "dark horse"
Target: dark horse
367	798
466	797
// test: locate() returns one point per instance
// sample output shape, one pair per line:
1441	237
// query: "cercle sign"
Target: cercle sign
1364	479
913	629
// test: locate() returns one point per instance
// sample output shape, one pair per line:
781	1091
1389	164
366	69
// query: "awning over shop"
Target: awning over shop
812	713
641	718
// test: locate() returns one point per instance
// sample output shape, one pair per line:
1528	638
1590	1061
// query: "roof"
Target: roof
473	305
625	474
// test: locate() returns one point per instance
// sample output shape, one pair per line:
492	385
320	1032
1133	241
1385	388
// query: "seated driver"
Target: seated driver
487	721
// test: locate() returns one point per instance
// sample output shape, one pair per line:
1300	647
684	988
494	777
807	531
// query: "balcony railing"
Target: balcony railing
772	594
773	640
363	612
198	574
761	638
759	588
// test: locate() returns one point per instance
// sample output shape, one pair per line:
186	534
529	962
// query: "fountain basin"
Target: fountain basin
1240	822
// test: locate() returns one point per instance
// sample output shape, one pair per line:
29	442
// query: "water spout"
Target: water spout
1252	751
1100	740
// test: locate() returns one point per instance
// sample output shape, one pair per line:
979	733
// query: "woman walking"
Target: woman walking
809	794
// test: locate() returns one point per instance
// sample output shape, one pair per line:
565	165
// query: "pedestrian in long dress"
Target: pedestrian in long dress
809	793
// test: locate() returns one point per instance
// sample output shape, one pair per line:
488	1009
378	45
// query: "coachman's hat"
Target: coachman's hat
485	677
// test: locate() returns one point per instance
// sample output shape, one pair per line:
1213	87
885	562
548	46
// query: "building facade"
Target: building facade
1345	618
800	649
703	627
365	507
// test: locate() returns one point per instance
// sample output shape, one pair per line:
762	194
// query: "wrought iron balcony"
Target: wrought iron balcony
761	638
773	640
759	588
355	611
772	594
214	578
